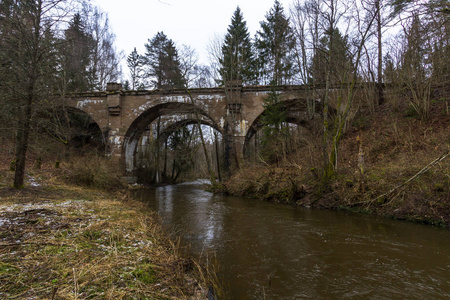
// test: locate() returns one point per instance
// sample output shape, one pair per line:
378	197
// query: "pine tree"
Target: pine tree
162	63
134	63
76	51
275	130
237	62
275	44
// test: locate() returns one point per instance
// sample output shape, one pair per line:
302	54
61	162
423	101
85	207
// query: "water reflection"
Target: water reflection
297	253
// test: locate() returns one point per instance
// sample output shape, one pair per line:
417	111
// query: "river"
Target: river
274	251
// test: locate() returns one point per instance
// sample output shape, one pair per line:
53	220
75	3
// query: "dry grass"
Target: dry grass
65	242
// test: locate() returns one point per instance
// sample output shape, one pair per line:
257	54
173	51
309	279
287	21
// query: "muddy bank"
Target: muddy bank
285	186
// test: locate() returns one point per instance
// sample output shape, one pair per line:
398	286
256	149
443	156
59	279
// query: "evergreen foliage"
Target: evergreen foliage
341	66
88	58
76	55
237	62
162	63
274	130
180	142
27	68
274	44
135	65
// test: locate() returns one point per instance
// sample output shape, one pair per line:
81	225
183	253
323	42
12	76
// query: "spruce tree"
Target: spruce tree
237	62
275	44
162	63
134	63
275	130
341	65
76	51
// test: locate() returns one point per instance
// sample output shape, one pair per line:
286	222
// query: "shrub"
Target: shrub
94	171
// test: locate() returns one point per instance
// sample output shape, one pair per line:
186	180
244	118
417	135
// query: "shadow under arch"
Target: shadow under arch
297	113
139	125
81	127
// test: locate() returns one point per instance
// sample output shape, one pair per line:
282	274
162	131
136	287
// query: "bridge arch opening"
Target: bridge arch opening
74	128
301	122
164	141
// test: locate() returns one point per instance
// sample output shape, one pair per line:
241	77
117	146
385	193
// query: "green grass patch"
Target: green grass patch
9	269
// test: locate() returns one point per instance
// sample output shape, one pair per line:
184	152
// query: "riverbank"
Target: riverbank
63	241
401	176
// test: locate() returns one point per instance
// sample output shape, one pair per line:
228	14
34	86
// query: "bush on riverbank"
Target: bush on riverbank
396	147
94	171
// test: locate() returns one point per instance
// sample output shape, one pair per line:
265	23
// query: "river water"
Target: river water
275	251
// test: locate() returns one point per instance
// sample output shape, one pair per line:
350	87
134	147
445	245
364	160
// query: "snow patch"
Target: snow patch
83	103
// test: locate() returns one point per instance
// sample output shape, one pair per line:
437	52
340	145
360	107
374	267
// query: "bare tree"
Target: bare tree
104	64
194	74
215	56
323	19
418	64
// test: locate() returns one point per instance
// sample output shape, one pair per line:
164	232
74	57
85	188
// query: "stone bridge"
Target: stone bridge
123	116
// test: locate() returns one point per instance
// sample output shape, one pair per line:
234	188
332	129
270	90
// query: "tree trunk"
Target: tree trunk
328	164
205	151
23	132
216	142
380	55
158	124
165	158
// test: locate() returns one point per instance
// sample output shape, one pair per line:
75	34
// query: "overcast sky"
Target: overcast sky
189	22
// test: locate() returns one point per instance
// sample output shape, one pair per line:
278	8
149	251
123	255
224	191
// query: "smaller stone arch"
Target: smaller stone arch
139	125
63	114
297	113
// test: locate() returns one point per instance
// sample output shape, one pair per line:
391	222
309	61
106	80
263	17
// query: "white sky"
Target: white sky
190	22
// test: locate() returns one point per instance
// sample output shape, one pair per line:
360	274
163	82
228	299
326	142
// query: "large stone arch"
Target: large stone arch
297	113
166	132
138	126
